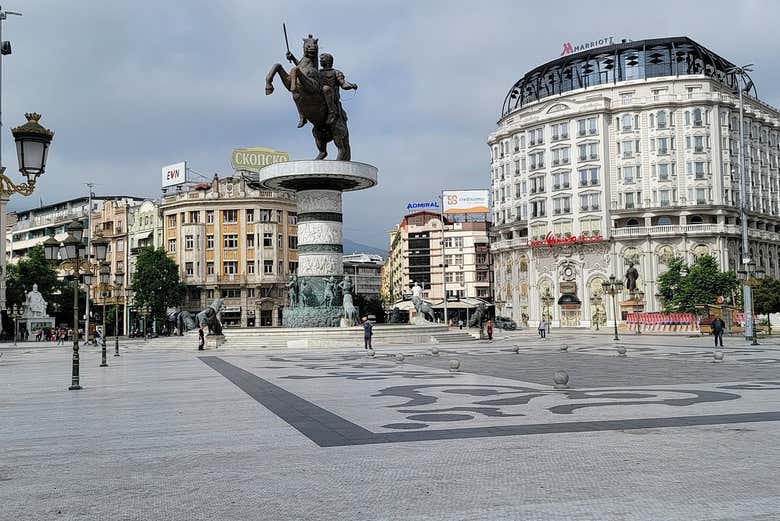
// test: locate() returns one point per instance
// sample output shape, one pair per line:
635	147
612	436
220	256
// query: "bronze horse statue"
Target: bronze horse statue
316	95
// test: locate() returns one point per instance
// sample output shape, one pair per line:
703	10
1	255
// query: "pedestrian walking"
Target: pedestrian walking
489	329
542	328
201	339
718	327
368	332
460	324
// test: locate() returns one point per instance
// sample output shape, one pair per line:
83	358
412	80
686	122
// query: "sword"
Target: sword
284	28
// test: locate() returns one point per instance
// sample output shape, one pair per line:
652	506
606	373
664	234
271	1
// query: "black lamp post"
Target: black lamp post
752	276
613	287
74	256
105	278
547	300
16	314
119	279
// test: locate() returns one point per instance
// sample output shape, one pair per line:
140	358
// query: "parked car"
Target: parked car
505	323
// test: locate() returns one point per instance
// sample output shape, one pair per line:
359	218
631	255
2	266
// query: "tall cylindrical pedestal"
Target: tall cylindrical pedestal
316	298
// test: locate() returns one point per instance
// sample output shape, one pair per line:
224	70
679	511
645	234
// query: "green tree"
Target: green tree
32	269
683	287
766	298
156	282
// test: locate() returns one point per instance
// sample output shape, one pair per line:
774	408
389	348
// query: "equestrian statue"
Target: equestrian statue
316	93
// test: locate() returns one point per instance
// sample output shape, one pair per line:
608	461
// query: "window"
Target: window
250	240
697	119
268	267
231	293
630	200
589	176
210	216
189	270
209	242
536	160
268	240
663	171
562	205
589	151
265	215
587	126
292	242
535	136
230	216
172	221
538	208
210	293
230	241
661	119
560	180
627	122
250	268
663	145
120	246
292	218
230	267
590	201
560	156
250	292
171	245
292	266
189	242
194	217
279	241
250	215
664	201
209	268
630	173
698	143
537	185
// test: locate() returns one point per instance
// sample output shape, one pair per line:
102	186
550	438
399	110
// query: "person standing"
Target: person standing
489	329
542	328
201	339
368	332
718	327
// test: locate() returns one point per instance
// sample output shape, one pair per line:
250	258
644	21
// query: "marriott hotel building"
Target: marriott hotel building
619	155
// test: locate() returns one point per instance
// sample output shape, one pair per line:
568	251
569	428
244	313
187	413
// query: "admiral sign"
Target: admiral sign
254	158
551	240
422	205
174	174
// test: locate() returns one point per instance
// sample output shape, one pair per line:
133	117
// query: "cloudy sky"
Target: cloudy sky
131	86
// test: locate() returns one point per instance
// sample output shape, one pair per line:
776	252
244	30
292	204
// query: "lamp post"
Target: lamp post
16	314
105	277
612	287
75	258
547	300
637	296
751	277
596	301
743	83
119	278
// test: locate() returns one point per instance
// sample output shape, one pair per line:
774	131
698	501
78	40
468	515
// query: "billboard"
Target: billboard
174	174
465	201
254	158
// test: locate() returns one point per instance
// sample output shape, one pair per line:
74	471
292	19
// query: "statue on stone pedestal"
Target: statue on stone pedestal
316	96
423	309
350	311
34	305
395	315
292	290
631	277
329	293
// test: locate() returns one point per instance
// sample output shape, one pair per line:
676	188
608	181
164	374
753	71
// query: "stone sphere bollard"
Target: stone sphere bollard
435	351
561	379
399	358
621	350
564	347
718	356
516	349
454	365
371	353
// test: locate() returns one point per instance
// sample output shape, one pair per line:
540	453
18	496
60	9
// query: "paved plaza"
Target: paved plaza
167	432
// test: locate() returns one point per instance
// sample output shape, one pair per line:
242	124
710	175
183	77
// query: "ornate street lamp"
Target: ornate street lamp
547	300
119	279
613	287
751	277
596	300
16	314
105	277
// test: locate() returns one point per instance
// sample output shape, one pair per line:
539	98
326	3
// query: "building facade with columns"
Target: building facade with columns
235	242
626	155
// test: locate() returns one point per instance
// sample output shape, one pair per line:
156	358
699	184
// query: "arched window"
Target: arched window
661	115
627	121
697	120
663	221
632	222
695	219
652	121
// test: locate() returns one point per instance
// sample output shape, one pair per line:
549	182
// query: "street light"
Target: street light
547	300
74	256
105	278
613	287
16	314
119	278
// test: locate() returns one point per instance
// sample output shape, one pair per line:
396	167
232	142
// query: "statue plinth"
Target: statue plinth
318	186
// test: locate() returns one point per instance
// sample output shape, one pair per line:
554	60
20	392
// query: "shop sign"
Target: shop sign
551	240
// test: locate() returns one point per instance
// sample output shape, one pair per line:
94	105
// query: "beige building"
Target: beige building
235	242
416	256
366	272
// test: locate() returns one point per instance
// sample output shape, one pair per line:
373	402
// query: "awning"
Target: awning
569	299
464	303
236	309
142	236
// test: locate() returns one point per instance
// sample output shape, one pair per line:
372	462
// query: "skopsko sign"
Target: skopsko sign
422	205
551	240
254	158
174	174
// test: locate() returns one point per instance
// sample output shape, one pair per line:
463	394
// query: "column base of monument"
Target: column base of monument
324	316
318	186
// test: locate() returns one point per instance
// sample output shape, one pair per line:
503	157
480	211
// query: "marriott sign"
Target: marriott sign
570	48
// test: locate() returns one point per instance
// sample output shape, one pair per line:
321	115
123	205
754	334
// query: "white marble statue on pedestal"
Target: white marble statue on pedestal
35	305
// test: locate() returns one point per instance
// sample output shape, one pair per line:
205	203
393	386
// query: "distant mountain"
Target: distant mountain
356	247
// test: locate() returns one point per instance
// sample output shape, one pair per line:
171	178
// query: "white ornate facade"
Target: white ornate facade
631	167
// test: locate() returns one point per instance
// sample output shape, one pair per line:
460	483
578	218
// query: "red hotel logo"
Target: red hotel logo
569	48
551	240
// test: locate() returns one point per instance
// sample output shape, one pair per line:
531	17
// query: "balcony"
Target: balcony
663	151
593	131
628	155
677	229
698	149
